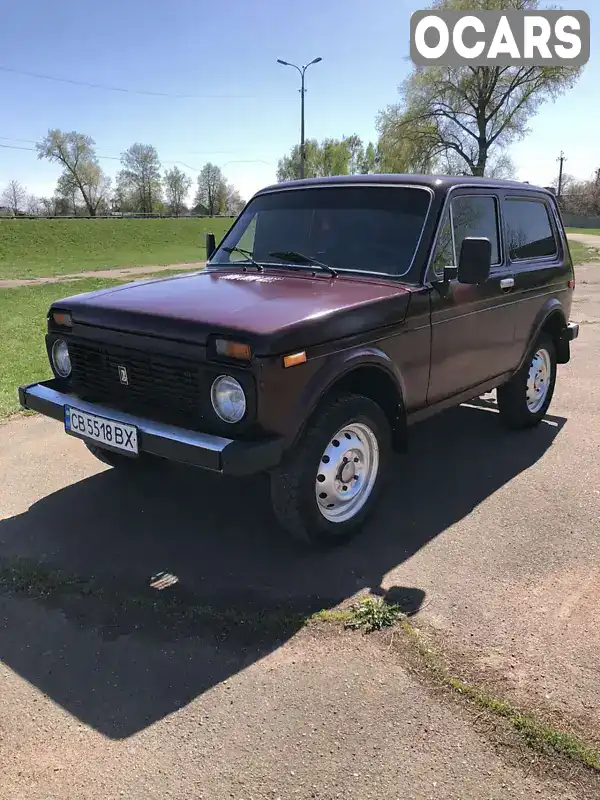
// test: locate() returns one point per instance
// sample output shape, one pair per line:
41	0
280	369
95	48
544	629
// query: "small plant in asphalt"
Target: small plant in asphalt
373	614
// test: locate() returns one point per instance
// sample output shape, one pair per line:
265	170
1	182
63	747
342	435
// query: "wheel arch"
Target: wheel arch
369	372
551	319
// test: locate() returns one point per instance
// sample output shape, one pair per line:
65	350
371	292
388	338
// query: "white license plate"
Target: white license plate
117	435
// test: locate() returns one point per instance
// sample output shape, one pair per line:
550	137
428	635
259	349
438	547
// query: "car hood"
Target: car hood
275	311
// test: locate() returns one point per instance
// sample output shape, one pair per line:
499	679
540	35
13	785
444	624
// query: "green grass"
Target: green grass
591	231
581	254
373	614
32	248
22	330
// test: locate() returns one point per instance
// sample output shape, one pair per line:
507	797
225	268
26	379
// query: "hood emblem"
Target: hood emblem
123	376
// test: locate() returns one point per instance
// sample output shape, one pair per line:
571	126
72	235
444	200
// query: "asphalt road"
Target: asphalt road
492	535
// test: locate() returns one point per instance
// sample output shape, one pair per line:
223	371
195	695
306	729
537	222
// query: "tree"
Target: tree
33	205
76	152
465	114
67	194
212	190
14	197
47	206
177	185
345	156
140	177
580	197
233	201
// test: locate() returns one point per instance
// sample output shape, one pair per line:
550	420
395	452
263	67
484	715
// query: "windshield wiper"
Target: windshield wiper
247	253
300	258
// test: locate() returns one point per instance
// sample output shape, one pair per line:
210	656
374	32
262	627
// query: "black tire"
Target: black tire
512	397
116	460
293	491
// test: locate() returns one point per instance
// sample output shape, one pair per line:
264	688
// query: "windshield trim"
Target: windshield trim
344	184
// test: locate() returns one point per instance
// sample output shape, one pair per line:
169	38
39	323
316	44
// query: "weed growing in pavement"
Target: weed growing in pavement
373	614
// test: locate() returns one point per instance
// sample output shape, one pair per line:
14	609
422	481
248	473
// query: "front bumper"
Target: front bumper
215	453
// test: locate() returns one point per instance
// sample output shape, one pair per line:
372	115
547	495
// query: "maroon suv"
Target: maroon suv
334	313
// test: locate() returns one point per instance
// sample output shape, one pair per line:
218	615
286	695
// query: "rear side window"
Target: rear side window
476	216
529	232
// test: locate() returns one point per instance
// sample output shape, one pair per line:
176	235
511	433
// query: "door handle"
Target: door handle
507	283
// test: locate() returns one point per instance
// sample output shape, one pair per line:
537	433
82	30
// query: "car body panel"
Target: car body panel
276	311
436	345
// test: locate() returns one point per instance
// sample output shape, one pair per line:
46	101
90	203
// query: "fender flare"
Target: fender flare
334	369
552	309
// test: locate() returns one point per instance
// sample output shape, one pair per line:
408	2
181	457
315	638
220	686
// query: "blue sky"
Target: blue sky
194	47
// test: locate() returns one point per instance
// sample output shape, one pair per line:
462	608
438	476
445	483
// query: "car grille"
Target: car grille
160	387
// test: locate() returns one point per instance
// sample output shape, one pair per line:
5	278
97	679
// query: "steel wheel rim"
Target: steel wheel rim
538	380
350	460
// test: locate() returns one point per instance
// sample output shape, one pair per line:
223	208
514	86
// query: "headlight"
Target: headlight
228	398
61	359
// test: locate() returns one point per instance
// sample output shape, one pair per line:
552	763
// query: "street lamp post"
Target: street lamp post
302	71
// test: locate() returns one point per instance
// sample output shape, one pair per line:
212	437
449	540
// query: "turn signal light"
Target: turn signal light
294	359
233	349
62	318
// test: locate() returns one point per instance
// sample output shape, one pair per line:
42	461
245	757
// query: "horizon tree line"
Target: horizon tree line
140	186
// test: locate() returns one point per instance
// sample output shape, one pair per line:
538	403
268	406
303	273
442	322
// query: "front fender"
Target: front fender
334	369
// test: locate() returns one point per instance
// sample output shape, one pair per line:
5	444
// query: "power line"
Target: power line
107	88
163	161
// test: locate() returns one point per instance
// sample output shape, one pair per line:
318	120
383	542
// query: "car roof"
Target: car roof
436	182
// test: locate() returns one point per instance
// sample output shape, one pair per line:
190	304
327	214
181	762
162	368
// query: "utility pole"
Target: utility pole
561	159
598	177
302	90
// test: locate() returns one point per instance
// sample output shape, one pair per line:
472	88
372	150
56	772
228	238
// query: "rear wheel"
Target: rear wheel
525	399
328	485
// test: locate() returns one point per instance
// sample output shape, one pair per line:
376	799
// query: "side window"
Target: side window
444	251
528	229
476	216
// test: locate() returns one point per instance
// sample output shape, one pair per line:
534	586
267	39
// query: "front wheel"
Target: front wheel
525	399
328	485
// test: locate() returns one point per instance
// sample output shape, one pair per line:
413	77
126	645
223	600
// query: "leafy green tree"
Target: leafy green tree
76	152
139	183
465	116
211	193
345	156
177	184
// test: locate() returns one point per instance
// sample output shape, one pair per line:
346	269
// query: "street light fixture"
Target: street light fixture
302	91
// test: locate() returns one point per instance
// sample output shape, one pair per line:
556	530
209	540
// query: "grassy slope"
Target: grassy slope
22	330
39	247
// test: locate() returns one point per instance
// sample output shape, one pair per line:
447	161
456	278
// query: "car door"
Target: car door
537	259
472	327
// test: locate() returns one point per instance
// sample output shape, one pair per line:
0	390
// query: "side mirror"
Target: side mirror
210	245
475	260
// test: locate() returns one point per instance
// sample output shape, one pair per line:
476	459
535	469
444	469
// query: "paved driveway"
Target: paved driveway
493	535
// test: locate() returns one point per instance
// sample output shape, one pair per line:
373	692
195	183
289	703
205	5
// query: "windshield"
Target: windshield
361	228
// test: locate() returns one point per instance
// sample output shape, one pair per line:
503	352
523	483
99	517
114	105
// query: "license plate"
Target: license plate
116	435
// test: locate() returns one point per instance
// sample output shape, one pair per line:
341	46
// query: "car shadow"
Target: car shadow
120	655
